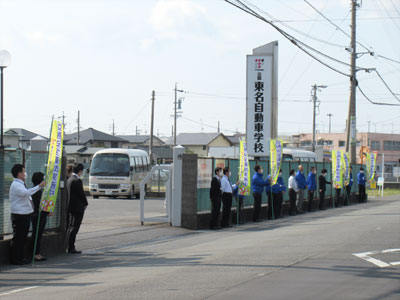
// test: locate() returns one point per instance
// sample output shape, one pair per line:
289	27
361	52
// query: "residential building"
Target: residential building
25	137
199	143
94	138
134	141
11	139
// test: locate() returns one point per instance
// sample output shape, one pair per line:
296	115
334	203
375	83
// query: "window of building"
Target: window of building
358	143
391	145
342	143
305	143
204	147
375	145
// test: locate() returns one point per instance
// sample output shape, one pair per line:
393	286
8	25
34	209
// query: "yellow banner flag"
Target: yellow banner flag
53	172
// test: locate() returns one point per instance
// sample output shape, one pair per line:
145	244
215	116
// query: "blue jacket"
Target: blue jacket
258	183
351	180
268	186
301	180
361	178
279	186
311	182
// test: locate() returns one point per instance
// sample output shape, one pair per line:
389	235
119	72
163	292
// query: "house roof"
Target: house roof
26	135
235	139
90	135
160	151
79	149
138	139
194	139
11	132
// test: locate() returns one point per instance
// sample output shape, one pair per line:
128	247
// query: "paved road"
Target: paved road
306	257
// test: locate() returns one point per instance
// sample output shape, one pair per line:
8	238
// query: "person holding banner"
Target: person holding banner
361	185
215	197
277	195
37	178
292	185
348	187
77	206
302	185
257	186
227	191
312	186
268	191
21	211
322	188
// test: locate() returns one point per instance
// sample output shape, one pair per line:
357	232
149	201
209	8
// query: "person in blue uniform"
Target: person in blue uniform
311	186
302	185
277	195
257	187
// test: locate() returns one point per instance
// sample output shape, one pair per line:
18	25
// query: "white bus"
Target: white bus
118	172
299	155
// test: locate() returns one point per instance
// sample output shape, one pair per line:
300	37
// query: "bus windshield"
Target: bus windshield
110	164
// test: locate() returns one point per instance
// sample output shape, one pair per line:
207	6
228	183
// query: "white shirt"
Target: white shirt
293	183
20	197
226	185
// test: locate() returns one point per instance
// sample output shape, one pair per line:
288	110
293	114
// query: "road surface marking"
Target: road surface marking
367	257
18	290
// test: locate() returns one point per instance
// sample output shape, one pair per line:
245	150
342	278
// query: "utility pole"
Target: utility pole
369	124
351	140
113	128
79	126
218	128
153	96
314	99
176	108
330	116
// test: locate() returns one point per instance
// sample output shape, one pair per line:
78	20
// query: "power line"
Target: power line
387	86
373	102
210	126
291	38
390	17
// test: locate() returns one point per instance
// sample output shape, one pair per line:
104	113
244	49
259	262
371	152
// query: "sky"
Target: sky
105	57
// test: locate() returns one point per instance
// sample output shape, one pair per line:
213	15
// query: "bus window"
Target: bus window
146	163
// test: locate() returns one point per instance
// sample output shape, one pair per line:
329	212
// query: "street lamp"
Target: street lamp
5	59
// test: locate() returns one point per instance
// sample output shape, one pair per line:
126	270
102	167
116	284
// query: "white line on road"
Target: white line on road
18	290
366	256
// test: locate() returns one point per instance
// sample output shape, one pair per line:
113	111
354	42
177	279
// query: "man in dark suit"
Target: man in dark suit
77	204
215	196
322	188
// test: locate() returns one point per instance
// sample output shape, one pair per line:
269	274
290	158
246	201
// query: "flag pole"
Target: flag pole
39	209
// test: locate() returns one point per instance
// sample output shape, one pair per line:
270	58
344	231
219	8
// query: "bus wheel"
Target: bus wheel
95	197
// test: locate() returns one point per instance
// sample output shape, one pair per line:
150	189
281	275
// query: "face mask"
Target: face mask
361	172
229	174
280	174
324	174
221	174
26	175
261	171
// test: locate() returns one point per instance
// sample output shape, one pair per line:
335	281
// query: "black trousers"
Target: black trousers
292	202
42	225
348	195
226	209
322	200
277	201
20	225
257	206
270	205
75	221
310	200
215	209
361	193
337	197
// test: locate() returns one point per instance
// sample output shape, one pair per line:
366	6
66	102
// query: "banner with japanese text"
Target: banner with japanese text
346	168
337	169
53	172
371	164
276	152
259	104
244	170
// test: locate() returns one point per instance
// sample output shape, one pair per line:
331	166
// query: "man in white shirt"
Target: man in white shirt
227	190
21	210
